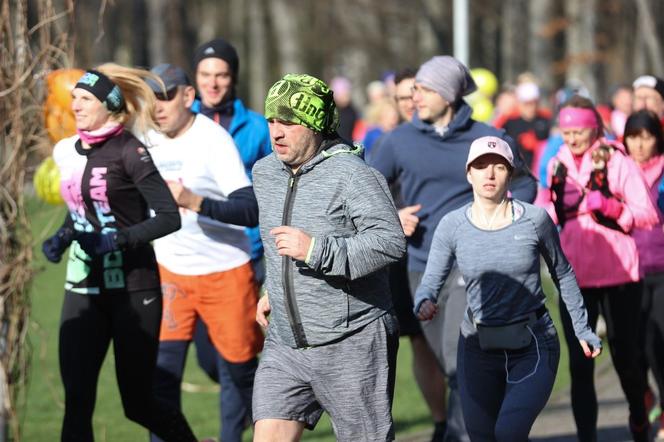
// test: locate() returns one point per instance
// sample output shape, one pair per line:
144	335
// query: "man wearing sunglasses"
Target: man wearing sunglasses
205	267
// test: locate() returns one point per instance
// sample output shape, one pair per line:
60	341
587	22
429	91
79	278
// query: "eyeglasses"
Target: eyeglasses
168	96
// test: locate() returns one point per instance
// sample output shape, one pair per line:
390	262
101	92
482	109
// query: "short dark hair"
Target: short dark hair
404	74
648	121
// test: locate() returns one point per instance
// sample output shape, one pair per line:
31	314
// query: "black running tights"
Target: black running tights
131	321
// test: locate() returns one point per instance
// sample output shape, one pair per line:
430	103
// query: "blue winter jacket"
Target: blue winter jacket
431	170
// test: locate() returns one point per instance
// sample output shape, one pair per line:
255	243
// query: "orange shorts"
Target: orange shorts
225	301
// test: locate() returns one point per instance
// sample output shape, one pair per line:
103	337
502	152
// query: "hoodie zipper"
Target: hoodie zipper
287	271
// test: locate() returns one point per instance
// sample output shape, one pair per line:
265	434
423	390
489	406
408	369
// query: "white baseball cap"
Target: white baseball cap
487	145
526	92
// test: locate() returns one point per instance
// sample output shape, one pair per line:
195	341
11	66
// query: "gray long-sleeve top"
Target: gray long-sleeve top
346	207
501	268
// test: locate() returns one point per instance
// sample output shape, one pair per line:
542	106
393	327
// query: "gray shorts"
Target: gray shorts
352	379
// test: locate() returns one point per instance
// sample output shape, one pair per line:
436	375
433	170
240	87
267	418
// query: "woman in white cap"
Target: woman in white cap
508	347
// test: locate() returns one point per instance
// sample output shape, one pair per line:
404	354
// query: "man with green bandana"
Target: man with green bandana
329	228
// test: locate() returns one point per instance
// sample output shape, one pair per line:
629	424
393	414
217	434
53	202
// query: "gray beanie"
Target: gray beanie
447	76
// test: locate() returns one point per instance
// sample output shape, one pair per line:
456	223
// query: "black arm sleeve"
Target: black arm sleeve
166	219
68	222
240	208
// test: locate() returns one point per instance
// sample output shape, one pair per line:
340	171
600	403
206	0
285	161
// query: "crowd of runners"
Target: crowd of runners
294	259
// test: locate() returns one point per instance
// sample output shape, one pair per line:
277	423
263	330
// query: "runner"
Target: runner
205	266
112	290
330	229
597	195
217	67
426	158
645	144
428	374
508	348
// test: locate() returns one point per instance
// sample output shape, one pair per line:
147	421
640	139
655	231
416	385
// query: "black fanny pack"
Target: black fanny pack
513	336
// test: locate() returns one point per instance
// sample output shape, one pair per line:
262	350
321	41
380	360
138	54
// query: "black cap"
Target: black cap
218	48
171	75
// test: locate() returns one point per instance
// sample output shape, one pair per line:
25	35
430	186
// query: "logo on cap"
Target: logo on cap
209	50
491	144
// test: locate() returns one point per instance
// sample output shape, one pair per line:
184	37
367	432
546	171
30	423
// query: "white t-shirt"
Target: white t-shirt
205	160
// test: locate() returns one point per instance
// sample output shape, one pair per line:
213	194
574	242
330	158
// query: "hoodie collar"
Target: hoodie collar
461	121
328	148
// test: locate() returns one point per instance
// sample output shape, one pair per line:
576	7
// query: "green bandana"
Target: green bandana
303	99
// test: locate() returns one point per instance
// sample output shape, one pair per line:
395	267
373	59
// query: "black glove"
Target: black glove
95	244
55	246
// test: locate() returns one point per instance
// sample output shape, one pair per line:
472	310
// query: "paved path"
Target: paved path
556	424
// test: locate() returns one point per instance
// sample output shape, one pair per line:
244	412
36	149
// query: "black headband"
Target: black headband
103	88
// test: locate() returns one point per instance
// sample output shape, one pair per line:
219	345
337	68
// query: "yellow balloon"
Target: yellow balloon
486	81
47	182
474	98
482	110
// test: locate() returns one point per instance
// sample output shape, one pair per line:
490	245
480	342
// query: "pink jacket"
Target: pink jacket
650	242
601	256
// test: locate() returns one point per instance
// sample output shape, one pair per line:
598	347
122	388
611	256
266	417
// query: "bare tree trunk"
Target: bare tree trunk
648	30
581	51
512	47
156	21
25	57
435	27
541	49
485	20
206	18
257	55
139	34
285	22
236	16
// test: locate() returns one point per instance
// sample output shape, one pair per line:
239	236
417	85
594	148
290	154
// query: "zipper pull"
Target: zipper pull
291	181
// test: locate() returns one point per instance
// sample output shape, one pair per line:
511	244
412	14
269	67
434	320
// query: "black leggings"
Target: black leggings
653	325
131	321
620	307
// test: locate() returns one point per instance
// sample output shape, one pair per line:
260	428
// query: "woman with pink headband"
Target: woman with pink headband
597	195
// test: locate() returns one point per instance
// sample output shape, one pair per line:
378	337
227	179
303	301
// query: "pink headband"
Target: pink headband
577	117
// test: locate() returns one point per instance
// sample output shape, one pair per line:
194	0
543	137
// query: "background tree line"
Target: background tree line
600	42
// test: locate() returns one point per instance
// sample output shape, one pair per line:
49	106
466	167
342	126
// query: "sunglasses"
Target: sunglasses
168	96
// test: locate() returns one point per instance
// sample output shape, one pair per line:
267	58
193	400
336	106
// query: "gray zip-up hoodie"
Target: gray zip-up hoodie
346	207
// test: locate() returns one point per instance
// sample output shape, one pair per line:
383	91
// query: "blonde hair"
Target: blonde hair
376	110
140	102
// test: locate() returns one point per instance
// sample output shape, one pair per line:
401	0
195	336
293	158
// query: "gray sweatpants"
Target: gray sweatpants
442	335
352	379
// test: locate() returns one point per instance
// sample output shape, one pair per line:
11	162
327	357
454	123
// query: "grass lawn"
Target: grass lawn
42	415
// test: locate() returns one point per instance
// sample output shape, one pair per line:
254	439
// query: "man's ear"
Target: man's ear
189	94
468	177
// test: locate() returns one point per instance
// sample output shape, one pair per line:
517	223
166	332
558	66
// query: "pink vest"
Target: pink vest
601	256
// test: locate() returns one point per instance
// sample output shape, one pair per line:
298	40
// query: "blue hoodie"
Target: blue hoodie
431	170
